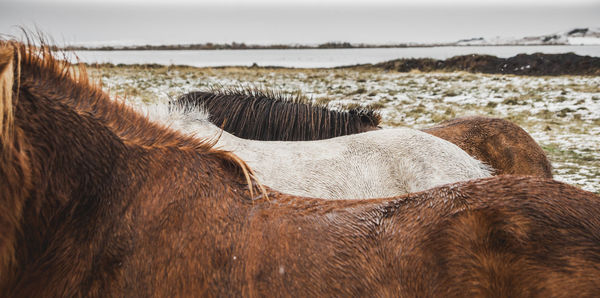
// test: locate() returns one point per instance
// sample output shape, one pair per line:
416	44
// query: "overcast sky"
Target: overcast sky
296	21
329	2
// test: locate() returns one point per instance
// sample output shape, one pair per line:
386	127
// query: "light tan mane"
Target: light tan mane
15	173
6	87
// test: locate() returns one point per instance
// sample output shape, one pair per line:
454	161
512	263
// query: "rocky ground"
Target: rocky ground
562	113
537	64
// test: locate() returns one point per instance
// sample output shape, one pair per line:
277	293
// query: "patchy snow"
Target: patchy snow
576	36
584	40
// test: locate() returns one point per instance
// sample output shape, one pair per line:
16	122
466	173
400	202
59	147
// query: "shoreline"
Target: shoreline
226	47
537	64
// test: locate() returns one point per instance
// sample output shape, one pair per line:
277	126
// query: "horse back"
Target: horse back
499	143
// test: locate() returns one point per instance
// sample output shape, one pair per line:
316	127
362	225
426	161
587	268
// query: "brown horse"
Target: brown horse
499	143
282	118
96	200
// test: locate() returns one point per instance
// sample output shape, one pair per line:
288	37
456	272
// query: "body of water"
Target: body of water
314	57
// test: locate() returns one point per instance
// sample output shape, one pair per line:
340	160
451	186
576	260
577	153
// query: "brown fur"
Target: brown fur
115	210
499	143
265	115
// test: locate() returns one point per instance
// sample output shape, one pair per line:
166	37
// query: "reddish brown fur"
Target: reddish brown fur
115	210
499	143
14	181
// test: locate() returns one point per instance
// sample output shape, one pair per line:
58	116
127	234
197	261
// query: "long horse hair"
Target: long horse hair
15	171
33	70
41	59
271	116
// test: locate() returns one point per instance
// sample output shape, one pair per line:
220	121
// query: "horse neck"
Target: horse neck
75	165
86	180
195	124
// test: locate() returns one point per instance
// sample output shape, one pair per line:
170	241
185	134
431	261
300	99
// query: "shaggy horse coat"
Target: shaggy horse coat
98	201
499	143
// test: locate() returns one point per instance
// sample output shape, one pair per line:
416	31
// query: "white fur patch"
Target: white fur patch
381	163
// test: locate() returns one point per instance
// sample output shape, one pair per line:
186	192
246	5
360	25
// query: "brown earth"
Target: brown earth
537	64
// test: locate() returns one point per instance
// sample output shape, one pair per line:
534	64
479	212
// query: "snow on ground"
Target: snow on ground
561	113
575	36
583	41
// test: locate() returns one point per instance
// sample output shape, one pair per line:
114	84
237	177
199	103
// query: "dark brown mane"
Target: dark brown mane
271	116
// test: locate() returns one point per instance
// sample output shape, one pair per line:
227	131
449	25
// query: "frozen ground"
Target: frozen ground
561	113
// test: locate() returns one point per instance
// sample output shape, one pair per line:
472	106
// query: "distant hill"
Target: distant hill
237	46
575	36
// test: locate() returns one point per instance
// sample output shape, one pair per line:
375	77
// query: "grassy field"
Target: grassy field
561	113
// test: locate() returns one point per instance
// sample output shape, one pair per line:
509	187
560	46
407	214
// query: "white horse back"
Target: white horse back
381	163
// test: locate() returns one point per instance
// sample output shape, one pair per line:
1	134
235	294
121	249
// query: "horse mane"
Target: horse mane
37	69
272	116
15	172
6	86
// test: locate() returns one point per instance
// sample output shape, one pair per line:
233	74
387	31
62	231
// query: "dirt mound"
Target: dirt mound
537	64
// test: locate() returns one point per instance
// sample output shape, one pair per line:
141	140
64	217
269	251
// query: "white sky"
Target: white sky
125	22
545	3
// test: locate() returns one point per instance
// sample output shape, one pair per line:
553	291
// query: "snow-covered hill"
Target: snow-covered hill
576	36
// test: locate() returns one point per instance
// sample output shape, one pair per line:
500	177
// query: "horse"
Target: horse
499	143
97	200
283	117
372	164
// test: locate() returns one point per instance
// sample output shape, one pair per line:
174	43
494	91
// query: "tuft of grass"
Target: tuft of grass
513	101
360	90
377	105
352	105
564	112
323	100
